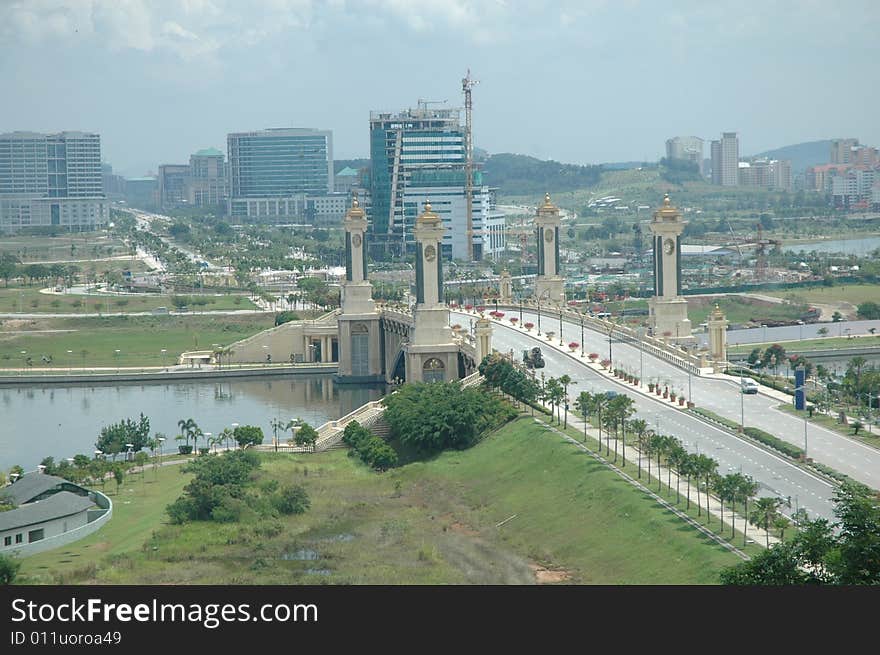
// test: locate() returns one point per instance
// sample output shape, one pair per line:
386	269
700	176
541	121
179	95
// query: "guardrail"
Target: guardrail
649	344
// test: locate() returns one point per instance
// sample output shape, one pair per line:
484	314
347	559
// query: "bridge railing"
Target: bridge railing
649	344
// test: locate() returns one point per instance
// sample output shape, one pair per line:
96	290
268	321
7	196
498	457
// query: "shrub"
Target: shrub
285	317
292	499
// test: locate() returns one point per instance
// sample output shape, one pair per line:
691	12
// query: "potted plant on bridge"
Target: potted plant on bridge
651	386
468	307
550	335
605	364
513	320
681	401
528	326
666	392
672	395
593	357
574	345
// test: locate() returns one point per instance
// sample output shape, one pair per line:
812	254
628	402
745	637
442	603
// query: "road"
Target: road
722	396
776	475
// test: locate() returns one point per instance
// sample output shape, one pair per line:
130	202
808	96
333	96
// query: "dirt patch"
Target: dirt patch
543	575
461	528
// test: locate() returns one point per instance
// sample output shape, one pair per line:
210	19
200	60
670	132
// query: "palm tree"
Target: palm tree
709	467
747	489
600	402
677	457
565	380
721	485
584	405
764	514
623	408
647	445
658	446
639	426
187	428
688	469
671	444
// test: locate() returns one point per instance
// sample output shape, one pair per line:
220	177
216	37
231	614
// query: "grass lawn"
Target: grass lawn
140	339
870	438
740	310
138	509
29	300
851	293
429	522
32	249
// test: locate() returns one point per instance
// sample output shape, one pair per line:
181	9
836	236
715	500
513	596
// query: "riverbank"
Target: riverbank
21	377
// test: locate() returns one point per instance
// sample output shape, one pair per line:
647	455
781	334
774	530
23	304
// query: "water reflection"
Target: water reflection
34	425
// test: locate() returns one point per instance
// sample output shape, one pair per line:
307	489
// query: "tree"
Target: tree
306	436
677	457
869	310
246	435
8	569
187	427
118	476
836	317
639	427
746	489
822	331
114	437
764	513
565	380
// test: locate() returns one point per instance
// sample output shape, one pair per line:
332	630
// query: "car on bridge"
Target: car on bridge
749	386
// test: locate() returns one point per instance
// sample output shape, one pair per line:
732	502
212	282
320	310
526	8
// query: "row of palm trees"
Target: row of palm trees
612	414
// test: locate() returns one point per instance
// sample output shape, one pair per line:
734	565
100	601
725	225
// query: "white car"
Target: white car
749	386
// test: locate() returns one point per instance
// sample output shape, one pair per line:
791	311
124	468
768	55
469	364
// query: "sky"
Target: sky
582	81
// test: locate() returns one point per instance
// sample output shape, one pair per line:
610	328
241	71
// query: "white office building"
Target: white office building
51	179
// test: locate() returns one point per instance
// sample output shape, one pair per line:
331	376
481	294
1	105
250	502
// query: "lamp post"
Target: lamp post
161	440
539	317
641	355
560	324
520	311
582	334
70	364
116	355
234	426
164	350
803	388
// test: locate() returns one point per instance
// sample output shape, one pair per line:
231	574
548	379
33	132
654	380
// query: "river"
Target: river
863	246
62	421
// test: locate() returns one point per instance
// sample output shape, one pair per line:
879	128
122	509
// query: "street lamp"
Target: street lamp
803	388
560	324
234	427
128	452
69	365
116	356
582	334
163	351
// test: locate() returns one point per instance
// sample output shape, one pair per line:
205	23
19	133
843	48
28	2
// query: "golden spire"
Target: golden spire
355	212
548	207
427	216
667	212
666	201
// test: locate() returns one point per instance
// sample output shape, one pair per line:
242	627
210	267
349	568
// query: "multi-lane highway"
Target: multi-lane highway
776	475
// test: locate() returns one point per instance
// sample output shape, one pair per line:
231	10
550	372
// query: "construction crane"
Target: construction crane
466	85
761	250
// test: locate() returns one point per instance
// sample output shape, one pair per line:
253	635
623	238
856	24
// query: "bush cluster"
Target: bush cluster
371	449
223	490
774	442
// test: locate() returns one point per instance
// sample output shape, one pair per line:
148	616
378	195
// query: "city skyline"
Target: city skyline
595	82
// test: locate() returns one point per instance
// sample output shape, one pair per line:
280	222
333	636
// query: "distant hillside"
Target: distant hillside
521	174
802	155
626	165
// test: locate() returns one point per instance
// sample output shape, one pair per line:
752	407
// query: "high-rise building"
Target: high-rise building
841	150
725	160
274	173
715	149
419	154
51	179
207	181
687	148
172	185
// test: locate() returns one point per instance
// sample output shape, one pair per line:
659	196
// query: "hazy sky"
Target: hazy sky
583	81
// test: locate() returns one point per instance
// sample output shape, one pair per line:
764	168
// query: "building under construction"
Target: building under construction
422	153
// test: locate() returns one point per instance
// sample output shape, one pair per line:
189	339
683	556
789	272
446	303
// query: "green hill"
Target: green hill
802	155
522	174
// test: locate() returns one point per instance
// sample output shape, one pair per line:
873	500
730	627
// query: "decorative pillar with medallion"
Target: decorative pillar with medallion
717	335
360	356
549	285
432	354
667	309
